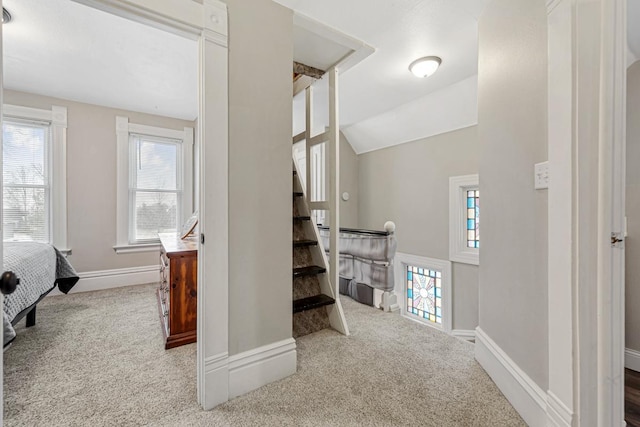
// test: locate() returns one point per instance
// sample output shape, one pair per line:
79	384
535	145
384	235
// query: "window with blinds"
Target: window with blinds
155	187
26	181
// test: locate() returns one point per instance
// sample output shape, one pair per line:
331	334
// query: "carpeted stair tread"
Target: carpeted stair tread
310	303
306	275
304	243
309	270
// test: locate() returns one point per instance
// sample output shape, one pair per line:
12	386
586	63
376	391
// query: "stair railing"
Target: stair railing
367	258
318	200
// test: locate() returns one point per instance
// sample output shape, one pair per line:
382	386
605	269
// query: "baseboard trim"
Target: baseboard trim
215	385
521	391
632	359
464	334
116	278
557	412
263	365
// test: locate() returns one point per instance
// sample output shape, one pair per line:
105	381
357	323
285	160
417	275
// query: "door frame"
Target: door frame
587	113
1	221
206	23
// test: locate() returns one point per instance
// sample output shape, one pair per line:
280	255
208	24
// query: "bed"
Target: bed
40	267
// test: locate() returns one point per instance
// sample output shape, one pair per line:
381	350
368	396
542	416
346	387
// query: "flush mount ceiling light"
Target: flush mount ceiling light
426	66
6	16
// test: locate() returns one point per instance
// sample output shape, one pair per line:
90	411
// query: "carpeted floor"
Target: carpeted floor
96	359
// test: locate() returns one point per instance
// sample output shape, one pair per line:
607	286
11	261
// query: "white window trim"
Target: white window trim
403	260
57	118
458	250
123	129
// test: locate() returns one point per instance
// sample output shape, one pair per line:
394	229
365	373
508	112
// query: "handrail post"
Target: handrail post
389	301
334	180
307	136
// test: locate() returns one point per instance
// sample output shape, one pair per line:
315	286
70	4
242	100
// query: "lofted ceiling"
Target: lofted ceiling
400	31
381	103
380	92
64	49
67	50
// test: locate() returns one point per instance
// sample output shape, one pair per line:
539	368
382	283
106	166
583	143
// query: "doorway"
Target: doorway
209	38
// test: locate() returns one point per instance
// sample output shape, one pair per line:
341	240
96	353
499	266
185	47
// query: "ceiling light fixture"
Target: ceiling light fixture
6	16
426	66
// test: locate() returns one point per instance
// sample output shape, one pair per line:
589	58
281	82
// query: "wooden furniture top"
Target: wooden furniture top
175	246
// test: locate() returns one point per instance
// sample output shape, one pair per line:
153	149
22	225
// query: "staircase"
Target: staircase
310	303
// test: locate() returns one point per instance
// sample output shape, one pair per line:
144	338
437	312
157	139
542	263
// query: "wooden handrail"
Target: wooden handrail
359	231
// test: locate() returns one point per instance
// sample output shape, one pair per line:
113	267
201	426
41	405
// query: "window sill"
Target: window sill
465	258
136	248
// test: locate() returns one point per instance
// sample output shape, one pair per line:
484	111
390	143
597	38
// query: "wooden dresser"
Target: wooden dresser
178	292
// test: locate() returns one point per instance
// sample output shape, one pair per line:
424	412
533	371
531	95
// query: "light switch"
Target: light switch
541	171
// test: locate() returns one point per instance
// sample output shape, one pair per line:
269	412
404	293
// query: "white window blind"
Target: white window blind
155	187
27	181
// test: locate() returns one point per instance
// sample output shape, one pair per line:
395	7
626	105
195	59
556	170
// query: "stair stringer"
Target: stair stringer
335	312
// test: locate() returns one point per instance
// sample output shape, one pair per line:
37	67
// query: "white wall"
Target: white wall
632	243
91	179
409	184
260	180
512	134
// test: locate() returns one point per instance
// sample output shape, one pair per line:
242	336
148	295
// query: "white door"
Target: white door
1	233
616	79
611	306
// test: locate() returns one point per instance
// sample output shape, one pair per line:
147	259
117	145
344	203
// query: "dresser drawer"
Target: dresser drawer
165	272
177	292
183	291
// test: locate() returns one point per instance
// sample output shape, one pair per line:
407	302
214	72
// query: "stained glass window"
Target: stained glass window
473	218
424	293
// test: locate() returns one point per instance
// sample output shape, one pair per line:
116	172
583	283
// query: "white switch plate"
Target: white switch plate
541	172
